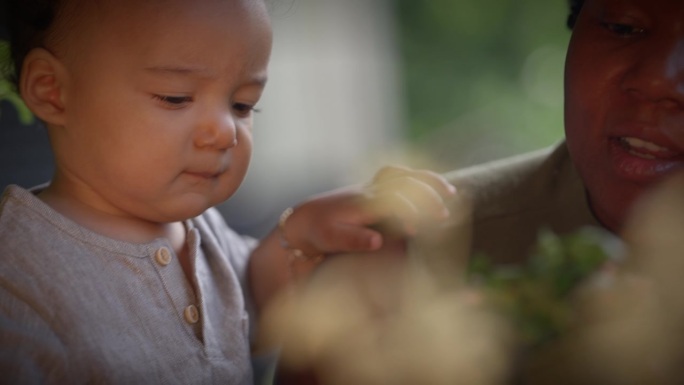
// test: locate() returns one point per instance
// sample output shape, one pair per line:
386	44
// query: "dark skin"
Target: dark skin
624	100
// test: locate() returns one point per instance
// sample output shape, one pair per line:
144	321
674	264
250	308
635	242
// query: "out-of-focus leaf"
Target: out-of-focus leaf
6	89
535	295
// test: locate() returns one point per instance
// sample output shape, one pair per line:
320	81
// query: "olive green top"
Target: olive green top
513	198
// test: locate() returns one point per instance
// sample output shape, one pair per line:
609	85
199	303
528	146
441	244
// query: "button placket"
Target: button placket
178	287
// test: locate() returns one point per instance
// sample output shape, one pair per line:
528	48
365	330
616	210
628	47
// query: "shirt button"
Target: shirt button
191	314
163	256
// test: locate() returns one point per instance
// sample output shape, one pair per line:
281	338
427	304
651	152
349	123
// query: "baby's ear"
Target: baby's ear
41	85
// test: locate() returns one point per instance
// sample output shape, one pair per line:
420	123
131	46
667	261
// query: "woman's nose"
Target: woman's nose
657	74
217	130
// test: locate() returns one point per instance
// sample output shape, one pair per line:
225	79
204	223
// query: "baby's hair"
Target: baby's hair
575	6
27	22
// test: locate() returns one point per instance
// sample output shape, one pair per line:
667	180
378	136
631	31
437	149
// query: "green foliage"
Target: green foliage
7	89
536	295
482	75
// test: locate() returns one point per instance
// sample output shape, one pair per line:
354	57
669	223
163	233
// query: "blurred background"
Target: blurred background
356	84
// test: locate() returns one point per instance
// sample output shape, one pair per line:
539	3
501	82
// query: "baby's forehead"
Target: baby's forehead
74	11
151	29
74	18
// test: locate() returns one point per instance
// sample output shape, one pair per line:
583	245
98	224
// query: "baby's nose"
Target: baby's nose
217	131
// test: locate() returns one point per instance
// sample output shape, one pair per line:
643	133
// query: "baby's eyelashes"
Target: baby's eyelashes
173	101
244	109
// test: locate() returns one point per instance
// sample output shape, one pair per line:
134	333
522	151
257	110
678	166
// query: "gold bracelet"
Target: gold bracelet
294	254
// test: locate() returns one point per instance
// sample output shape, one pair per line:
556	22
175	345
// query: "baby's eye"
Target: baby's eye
244	109
623	30
173	102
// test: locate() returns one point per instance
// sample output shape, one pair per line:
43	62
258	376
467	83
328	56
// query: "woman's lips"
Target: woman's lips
642	161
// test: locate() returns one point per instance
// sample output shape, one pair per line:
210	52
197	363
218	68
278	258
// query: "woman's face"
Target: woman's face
624	92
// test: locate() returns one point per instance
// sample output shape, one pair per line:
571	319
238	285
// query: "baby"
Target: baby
119	270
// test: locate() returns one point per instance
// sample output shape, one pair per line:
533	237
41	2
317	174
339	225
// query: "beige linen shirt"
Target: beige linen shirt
77	307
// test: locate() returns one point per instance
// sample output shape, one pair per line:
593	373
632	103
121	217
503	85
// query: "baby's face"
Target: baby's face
624	113
159	98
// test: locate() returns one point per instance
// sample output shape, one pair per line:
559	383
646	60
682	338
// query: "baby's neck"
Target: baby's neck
123	228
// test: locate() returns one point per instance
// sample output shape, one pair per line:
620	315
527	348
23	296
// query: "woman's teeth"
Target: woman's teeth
644	149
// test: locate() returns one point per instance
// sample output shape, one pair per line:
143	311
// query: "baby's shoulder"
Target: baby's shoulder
22	227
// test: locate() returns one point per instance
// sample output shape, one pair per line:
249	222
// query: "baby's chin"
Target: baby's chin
188	209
